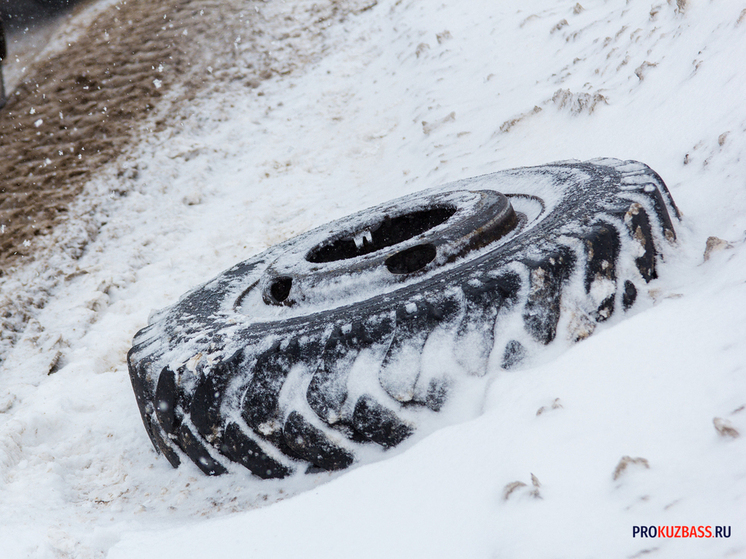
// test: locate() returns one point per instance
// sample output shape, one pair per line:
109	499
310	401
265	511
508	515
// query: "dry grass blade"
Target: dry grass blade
625	462
510	488
724	428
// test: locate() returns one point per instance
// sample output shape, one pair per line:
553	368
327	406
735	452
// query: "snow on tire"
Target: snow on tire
310	352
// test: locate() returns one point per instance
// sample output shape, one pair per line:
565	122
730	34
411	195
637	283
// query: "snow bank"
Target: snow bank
410	95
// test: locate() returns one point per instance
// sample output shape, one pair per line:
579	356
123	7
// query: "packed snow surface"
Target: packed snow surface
642	424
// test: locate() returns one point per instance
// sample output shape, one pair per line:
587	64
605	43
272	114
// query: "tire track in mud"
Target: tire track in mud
129	73
75	112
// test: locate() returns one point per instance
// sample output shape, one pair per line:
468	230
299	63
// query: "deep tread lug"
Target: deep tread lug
239	447
629	296
637	221
414	323
378	424
484	299
602	250
312	444
437	394
165	401
542	310
656	195
193	447
204	409
327	390
513	355
260	406
164	447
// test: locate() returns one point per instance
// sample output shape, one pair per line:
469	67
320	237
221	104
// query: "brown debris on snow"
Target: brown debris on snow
508	124
510	488
725	429
578	103
641	70
627	461
715	244
429	127
513	486
556	405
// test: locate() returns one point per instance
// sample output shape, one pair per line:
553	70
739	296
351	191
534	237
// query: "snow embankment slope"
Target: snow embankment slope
410	95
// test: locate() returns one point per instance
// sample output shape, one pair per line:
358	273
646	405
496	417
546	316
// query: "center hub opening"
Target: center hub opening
388	232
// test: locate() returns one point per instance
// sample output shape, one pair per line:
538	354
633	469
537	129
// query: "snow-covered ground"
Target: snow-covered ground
408	95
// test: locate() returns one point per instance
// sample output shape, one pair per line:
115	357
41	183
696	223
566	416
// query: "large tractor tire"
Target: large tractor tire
310	352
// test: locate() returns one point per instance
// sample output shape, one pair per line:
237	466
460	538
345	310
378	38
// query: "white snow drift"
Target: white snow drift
410	95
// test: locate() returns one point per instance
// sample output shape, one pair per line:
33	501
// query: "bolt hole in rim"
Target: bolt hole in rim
412	259
280	287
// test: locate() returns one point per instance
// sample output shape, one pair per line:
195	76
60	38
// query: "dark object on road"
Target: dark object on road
311	354
3	56
21	13
15	15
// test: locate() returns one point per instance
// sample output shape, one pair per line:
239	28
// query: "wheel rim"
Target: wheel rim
388	248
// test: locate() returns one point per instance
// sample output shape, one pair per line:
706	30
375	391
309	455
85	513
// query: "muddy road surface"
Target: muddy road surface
107	75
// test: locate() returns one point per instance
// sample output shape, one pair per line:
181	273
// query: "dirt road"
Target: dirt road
77	110
121	69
